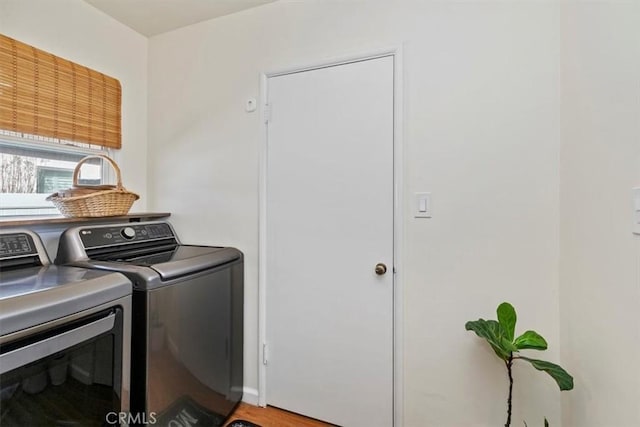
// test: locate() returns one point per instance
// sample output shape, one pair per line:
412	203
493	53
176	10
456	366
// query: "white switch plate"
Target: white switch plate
422	206
636	210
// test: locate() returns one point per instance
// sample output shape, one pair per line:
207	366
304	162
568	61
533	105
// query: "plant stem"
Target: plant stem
509	363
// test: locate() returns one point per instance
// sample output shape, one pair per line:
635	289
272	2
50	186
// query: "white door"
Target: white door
329	220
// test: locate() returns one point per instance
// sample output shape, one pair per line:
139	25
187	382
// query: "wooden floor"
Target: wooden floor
273	417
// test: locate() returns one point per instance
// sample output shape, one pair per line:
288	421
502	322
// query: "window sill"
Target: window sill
20	221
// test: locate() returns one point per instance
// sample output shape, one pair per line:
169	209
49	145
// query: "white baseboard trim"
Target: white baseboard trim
250	396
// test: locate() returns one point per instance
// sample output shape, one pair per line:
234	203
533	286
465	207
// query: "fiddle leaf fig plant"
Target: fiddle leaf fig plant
500	334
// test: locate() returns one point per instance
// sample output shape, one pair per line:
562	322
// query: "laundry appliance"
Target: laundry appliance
187	329
64	339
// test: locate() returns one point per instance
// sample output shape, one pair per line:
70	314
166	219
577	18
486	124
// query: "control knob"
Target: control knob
128	233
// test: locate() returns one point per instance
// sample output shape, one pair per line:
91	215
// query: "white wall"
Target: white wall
81	33
482	133
600	257
483	86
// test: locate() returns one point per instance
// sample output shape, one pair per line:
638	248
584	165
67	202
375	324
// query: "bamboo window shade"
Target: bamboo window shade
44	95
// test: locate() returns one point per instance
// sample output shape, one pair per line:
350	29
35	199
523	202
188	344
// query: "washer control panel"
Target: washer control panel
126	233
16	245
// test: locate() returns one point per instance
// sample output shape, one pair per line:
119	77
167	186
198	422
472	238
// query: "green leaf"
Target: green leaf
507	319
546	423
531	340
562	377
491	331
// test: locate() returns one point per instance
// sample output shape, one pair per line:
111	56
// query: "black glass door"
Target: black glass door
76	386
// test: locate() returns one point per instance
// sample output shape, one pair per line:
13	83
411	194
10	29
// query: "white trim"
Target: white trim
262	248
250	396
332	62
398	167
398	235
43	144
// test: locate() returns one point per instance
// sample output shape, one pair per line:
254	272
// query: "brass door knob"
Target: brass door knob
380	269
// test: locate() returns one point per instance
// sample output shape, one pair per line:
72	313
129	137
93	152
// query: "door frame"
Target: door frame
398	218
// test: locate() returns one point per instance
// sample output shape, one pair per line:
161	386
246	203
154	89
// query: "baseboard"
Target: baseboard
250	396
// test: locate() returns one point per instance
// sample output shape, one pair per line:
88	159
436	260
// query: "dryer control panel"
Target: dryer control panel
21	248
15	245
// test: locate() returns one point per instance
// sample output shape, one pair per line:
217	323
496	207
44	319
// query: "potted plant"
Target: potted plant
500	334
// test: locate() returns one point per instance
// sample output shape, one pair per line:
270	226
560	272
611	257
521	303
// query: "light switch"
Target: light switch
636	210
423	208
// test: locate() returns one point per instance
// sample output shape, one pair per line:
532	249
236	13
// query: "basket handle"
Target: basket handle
76	171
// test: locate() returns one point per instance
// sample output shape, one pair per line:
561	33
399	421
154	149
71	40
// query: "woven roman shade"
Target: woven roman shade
45	95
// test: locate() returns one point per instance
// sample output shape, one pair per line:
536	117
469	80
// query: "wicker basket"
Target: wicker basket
94	200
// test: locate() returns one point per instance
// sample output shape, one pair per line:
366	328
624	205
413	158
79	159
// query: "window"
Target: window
53	112
32	168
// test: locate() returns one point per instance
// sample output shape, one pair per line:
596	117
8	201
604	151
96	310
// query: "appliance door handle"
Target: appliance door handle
30	353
